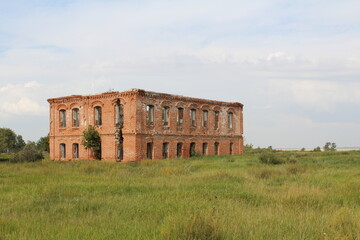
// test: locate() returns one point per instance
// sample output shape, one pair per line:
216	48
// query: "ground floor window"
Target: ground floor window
120	151
75	149
62	150
165	150
216	148
231	148
205	148
149	150
179	150
192	149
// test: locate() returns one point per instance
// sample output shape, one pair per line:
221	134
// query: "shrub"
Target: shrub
28	154
43	144
196	227
248	148
92	140
270	158
330	147
317	149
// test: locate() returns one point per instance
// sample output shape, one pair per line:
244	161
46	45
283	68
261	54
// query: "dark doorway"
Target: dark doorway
149	150
205	148
216	148
179	150
165	150
192	149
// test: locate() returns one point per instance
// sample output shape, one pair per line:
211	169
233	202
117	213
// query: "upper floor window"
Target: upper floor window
149	114
180	118
119	114
165	116
98	117
193	117
216	121
75	117
62	117
230	120
205	118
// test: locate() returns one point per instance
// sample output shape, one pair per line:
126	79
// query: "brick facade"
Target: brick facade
138	124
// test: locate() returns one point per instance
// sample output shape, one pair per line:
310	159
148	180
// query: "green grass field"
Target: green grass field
316	196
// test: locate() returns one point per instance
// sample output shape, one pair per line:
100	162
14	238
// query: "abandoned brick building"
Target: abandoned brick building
138	124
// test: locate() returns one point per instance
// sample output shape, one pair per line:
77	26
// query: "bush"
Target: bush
195	227
317	149
270	158
28	154
92	141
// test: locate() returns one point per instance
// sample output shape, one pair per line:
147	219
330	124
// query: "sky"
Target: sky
295	65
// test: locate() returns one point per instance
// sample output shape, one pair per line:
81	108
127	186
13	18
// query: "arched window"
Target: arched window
193	117
230	120
98	117
216	120
62	118
119	114
205	118
165	115
180	118
150	114
75	117
62	151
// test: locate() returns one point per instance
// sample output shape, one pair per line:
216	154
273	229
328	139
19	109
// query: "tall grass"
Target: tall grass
220	197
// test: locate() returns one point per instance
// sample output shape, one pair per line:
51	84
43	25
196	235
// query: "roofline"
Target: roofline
140	92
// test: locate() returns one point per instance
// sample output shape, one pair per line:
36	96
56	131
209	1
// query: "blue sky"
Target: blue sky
295	65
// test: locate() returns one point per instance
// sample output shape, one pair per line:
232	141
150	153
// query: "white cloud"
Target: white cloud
22	100
31	84
315	94
24	106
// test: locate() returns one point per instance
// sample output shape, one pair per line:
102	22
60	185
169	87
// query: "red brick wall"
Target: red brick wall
136	132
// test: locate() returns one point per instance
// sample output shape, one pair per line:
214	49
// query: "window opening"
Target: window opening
179	150
62	151
62	118
192	149
205	148
180	117
149	150
205	118
75	151
193	117
150	114
165	150
230	120
75	115
165	116
216	122
98	117
216	148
